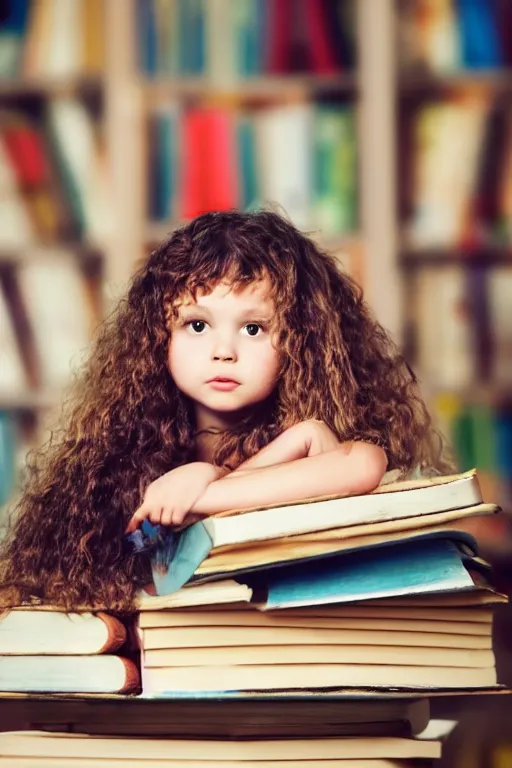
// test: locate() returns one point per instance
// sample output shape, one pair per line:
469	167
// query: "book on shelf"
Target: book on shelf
456	181
57	303
53	182
225	41
447	137
302	157
445	339
8	454
51	39
480	431
448	36
14	375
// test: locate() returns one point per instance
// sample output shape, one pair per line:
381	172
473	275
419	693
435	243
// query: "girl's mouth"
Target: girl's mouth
222	384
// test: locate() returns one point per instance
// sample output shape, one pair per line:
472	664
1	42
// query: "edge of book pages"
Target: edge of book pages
393	487
304	694
327	543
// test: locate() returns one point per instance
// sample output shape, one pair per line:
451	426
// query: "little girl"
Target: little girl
242	369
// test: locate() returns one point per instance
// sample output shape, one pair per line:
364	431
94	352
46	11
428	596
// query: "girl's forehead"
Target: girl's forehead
257	292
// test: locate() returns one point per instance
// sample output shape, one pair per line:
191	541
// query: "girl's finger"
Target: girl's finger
178	516
166	518
155	515
138	516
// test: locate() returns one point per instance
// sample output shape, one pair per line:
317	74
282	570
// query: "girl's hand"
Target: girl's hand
170	498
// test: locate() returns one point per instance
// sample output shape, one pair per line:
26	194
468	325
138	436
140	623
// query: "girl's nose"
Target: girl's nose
224	349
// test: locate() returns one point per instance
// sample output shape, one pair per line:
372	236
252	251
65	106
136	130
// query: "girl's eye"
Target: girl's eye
197	326
252	329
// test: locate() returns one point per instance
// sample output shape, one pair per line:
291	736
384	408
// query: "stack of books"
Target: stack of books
384	591
44	650
311	634
35	749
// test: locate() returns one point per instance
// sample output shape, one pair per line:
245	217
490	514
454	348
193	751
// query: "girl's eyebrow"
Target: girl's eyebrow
192	309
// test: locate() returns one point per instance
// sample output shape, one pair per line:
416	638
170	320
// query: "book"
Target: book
218	637
83	762
9	435
302	676
250	655
31	632
257	555
404	569
59	311
225	716
327	617
388	502
57	40
284	139
221	592
486	596
102	673
445	333
217	753
14	377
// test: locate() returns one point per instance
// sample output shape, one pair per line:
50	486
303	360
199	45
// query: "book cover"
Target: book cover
403	569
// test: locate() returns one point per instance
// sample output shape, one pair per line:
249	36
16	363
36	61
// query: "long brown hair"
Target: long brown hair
127	422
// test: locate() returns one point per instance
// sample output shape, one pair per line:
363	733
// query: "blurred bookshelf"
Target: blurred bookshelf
138	115
454	230
120	120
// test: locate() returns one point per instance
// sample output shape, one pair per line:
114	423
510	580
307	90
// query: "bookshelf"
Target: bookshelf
453	229
118	97
122	96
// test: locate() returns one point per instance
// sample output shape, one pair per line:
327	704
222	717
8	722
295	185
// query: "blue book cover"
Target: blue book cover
147	37
434	565
7	456
192	37
480	41
165	178
503	439
249	33
247	162
13	27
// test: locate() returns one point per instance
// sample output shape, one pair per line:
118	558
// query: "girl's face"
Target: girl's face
221	352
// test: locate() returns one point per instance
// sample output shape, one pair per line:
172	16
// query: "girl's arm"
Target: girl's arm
350	468
308	438
305	461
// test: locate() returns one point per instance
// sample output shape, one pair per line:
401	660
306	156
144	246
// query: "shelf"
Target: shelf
411	82
478	257
250	87
479	393
47	87
82	251
29	400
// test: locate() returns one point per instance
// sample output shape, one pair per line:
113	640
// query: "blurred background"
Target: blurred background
381	127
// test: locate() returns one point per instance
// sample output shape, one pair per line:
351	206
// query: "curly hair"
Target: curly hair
127	423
